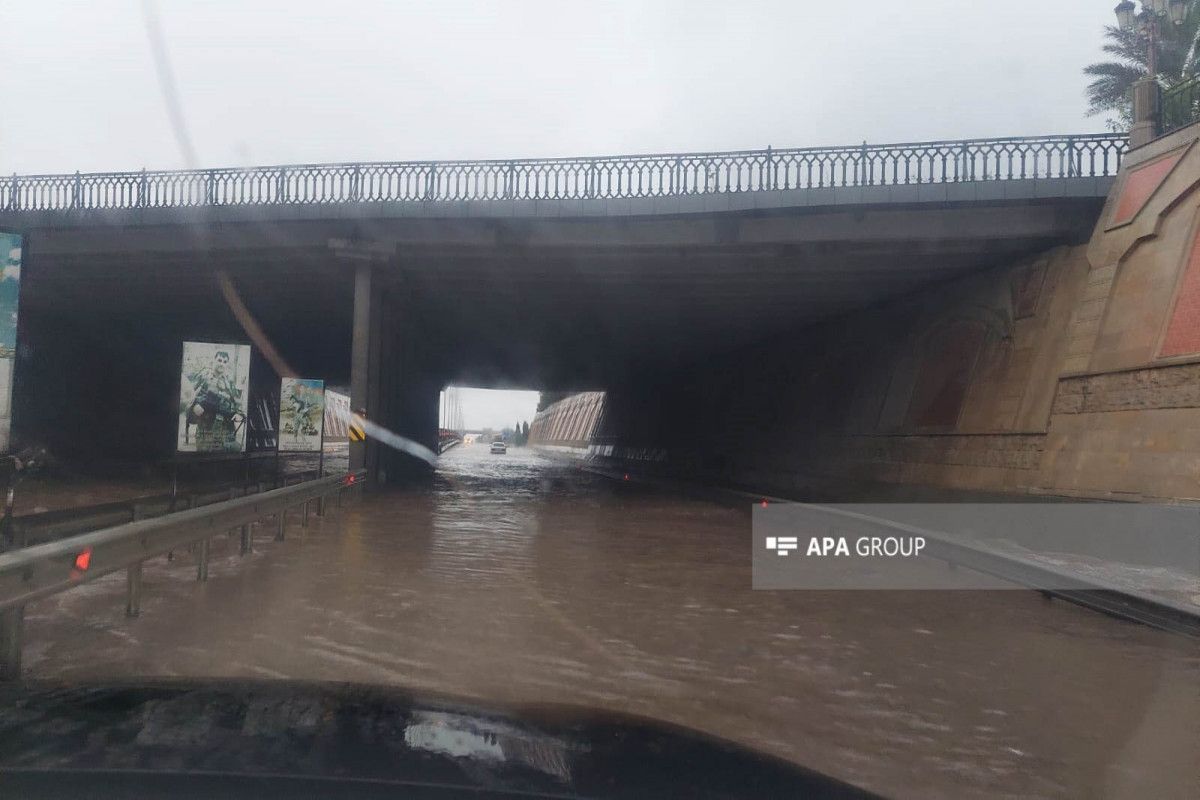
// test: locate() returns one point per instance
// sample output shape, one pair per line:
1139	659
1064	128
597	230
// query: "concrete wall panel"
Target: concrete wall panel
1076	379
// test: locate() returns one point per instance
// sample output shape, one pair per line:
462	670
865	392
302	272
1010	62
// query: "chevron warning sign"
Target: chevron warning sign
356	429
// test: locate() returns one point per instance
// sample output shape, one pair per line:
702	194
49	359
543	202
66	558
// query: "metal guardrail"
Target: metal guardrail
1180	106
43	570
627	176
48	526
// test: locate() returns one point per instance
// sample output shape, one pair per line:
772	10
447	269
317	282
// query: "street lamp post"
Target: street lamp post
1147	92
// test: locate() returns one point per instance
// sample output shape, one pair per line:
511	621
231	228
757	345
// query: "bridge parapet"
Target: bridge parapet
591	178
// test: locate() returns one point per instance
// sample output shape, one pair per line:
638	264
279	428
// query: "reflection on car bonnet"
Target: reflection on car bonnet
459	736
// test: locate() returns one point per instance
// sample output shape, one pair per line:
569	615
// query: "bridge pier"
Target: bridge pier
364	340
389	371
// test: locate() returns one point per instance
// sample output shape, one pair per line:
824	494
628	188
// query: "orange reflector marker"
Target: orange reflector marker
349	479
764	503
83	560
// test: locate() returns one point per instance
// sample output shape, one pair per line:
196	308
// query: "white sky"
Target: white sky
268	81
495	408
271	81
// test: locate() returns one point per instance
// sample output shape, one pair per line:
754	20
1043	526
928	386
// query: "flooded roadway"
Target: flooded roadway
516	579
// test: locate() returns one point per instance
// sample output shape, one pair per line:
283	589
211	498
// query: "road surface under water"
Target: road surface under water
518	579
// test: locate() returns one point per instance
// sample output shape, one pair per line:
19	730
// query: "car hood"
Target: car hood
348	733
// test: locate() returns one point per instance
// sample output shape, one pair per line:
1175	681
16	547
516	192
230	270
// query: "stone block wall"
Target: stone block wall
1072	372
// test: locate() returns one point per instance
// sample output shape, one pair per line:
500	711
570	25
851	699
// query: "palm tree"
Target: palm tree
1178	60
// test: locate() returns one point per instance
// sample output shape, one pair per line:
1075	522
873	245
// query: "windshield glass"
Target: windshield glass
770	389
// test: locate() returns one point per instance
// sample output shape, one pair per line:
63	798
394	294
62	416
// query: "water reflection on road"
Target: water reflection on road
514	578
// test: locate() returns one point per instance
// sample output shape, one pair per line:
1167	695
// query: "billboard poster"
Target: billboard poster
11	245
301	414
214	396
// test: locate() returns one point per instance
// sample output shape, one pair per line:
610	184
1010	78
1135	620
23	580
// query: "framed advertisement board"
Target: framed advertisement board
12	248
301	415
214	398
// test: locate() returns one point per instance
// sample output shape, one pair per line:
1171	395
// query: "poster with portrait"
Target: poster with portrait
301	414
214	392
11	245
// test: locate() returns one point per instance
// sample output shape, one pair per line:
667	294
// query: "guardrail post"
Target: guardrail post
133	599
12	628
133	577
189	502
202	563
280	525
304	514
247	539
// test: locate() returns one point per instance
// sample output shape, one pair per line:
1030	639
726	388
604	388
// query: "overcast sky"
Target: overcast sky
271	81
268	81
494	408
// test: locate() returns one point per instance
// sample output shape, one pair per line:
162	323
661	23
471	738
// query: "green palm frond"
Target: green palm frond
1111	89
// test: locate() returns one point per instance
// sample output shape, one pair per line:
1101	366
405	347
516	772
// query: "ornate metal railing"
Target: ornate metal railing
1180	105
1092	155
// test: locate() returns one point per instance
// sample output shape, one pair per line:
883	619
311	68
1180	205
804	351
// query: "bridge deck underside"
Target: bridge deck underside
561	304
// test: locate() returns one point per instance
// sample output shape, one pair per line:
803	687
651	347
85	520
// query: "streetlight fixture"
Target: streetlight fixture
1147	92
1125	15
1178	11
1148	22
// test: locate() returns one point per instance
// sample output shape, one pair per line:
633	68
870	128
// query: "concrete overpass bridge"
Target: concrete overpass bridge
558	274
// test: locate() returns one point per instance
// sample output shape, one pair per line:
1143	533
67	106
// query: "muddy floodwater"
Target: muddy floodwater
518	579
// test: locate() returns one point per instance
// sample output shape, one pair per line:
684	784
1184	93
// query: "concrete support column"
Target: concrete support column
375	365
389	376
1147	105
360	357
387	373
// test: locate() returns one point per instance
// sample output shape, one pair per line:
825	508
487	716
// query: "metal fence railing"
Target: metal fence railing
1090	155
46	526
42	570
1180	105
